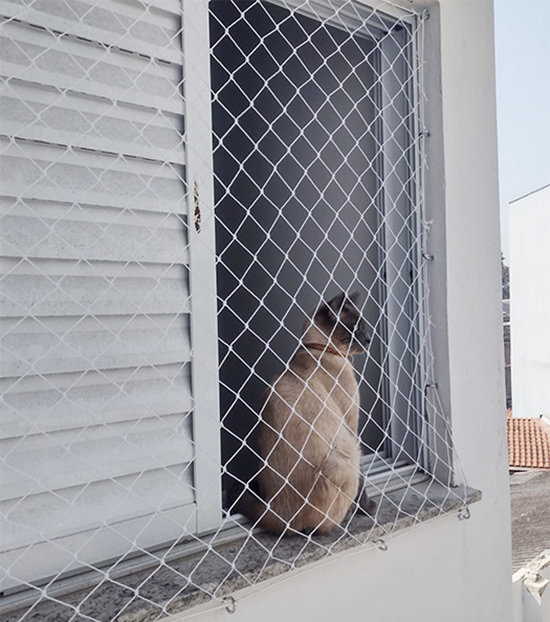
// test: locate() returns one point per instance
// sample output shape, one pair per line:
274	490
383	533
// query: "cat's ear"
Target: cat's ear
339	304
329	312
335	305
342	308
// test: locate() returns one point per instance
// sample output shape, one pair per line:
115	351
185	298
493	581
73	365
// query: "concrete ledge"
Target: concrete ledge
221	569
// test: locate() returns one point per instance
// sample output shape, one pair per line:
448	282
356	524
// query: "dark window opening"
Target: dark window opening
296	124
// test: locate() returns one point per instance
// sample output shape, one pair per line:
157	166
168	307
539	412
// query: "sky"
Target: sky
522	33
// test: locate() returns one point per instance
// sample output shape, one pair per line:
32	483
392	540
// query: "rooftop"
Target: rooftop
530	498
528	443
530	193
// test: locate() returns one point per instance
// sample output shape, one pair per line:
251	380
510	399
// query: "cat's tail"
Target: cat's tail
253	507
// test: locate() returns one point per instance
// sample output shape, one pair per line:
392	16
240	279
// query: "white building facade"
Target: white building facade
529	300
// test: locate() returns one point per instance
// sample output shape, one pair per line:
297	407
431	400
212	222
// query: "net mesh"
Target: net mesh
194	398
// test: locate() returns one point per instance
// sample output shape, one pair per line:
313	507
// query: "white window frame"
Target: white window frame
202	264
387	470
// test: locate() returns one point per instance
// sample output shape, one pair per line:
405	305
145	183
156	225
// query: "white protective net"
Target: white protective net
184	184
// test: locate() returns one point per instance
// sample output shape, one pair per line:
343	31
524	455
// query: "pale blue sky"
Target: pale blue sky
522	30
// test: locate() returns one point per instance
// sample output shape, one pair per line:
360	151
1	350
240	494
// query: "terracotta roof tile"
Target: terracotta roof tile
528	443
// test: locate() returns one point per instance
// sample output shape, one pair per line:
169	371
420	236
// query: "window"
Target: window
315	126
184	182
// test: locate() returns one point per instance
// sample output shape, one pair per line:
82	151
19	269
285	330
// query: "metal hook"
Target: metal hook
381	544
464	513
231	606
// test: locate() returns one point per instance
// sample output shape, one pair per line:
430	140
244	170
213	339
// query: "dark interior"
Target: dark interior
297	203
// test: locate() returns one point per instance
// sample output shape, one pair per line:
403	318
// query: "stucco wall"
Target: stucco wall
529	303
426	575
445	570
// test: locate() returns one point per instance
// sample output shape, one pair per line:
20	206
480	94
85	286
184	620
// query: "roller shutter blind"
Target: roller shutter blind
99	424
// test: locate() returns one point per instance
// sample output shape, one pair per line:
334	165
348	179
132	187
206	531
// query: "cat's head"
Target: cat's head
341	320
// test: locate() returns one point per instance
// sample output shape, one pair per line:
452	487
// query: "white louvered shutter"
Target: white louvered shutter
104	433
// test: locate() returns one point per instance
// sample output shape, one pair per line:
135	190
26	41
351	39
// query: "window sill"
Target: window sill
234	559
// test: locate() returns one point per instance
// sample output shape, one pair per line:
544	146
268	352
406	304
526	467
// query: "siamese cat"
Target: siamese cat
310	472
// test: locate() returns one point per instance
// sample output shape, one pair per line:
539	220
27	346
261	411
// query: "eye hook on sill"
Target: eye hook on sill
231	605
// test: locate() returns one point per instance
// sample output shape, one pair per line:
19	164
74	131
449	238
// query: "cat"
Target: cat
310	472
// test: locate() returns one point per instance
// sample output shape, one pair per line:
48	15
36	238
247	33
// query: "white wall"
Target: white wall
445	570
531	587
422	577
530	303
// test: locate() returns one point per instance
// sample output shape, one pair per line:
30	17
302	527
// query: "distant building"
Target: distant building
507	353
530	302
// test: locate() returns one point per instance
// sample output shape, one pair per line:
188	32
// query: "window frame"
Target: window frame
386	466
199	175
